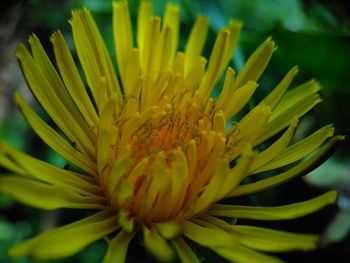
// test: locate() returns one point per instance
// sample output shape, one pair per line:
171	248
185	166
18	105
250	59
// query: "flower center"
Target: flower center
164	158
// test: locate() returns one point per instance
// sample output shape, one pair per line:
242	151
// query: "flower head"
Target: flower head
151	151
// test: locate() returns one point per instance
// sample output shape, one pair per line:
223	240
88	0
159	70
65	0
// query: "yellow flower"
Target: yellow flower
152	152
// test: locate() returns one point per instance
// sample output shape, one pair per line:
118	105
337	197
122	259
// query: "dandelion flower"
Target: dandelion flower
152	152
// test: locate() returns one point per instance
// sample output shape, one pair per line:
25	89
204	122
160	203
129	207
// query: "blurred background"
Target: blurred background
313	34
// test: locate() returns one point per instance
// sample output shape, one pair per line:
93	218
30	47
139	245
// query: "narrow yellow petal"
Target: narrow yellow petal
48	70
67	240
239	98
184	251
72	80
179	182
274	150
163	58
107	135
125	221
94	57
168	230
158	182
207	237
132	75
122	194
265	239
241	254
273	240
148	51
275	96
227	89
300	92
219	124
195	42
172	20
291	211
46	196
300	149
256	63
299	170
51	103
234	27
194	77
250	128
157	246
216	148
119	167
239	172
123	39
53	139
216	62
118	247
9	164
282	118
178	67
214	188
51	174
233	251
145	13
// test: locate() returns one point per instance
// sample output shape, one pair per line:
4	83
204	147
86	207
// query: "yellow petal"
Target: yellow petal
184	252
94	57
224	243
172	20
118	247
214	188
280	120
144	15
234	27
239	98
107	135
275	96
9	164
119	167
256	63
219	124
123	39
227	89
67	240
179	182
239	172
294	104
51	174
157	246
275	149
49	100
195	75
72	80
273	240
300	149
265	239
46	196
168	230
216	62
207	237
53	139
294	210
47	69
250	128
241	254
299	170
195	42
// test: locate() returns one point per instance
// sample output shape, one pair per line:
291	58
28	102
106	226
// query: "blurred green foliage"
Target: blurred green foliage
315	35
